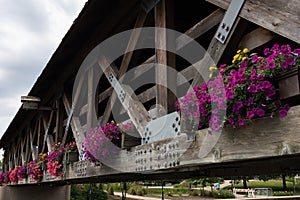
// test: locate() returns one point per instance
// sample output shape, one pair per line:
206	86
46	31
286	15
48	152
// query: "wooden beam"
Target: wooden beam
194	32
58	122
255	38
75	125
48	139
161	58
27	150
105	94
135	109
275	15
200	28
132	42
212	56
90	99
125	62
171	57
112	99
33	150
69	110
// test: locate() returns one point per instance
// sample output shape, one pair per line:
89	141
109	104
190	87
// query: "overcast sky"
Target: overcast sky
30	32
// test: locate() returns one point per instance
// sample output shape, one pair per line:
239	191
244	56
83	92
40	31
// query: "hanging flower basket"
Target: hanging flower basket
289	86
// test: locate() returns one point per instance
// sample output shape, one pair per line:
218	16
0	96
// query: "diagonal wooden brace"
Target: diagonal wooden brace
135	109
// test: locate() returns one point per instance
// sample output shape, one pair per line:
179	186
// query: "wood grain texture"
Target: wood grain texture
125	62
77	131
212	56
255	38
238	151
200	28
135	109
281	17
161	58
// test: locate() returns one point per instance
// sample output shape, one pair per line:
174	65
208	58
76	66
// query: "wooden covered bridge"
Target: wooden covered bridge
50	113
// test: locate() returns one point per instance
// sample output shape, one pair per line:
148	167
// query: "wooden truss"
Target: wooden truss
258	23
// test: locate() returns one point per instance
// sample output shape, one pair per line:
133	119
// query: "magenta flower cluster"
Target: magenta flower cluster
250	89
98	143
22	172
54	160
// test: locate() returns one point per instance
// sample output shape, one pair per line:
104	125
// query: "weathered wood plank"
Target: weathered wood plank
277	16
33	150
125	62
90	99
48	139
251	142
58	122
212	56
27	151
247	150
200	28
132	42
112	98
105	94
39	136
22	153
135	109
75	125
161	58
255	38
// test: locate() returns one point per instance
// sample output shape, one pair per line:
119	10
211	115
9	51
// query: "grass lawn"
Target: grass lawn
276	185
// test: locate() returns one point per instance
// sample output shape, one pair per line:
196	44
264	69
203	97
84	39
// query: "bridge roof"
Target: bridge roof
67	58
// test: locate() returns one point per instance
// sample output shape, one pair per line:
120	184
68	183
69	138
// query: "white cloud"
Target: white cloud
30	32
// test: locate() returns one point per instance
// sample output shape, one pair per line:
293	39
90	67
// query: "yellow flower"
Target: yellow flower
211	75
239	51
246	50
233	61
236	56
240	57
244	58
212	68
112	121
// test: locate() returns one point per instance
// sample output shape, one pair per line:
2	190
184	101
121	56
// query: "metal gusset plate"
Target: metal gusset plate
228	20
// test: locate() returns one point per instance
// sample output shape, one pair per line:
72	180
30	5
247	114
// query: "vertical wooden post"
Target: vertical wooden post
22	143
39	137
27	151
161	59
59	126
91	99
171	57
47	137
33	149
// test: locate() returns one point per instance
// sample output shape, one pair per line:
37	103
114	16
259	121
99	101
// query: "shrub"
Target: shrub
81	192
222	194
110	190
194	193
141	191
132	191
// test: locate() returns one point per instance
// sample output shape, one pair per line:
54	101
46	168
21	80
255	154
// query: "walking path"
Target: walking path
137	197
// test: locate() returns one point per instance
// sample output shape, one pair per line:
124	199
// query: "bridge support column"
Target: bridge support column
35	192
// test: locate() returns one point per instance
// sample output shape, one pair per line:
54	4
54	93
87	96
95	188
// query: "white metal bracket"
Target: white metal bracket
228	20
117	86
167	126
